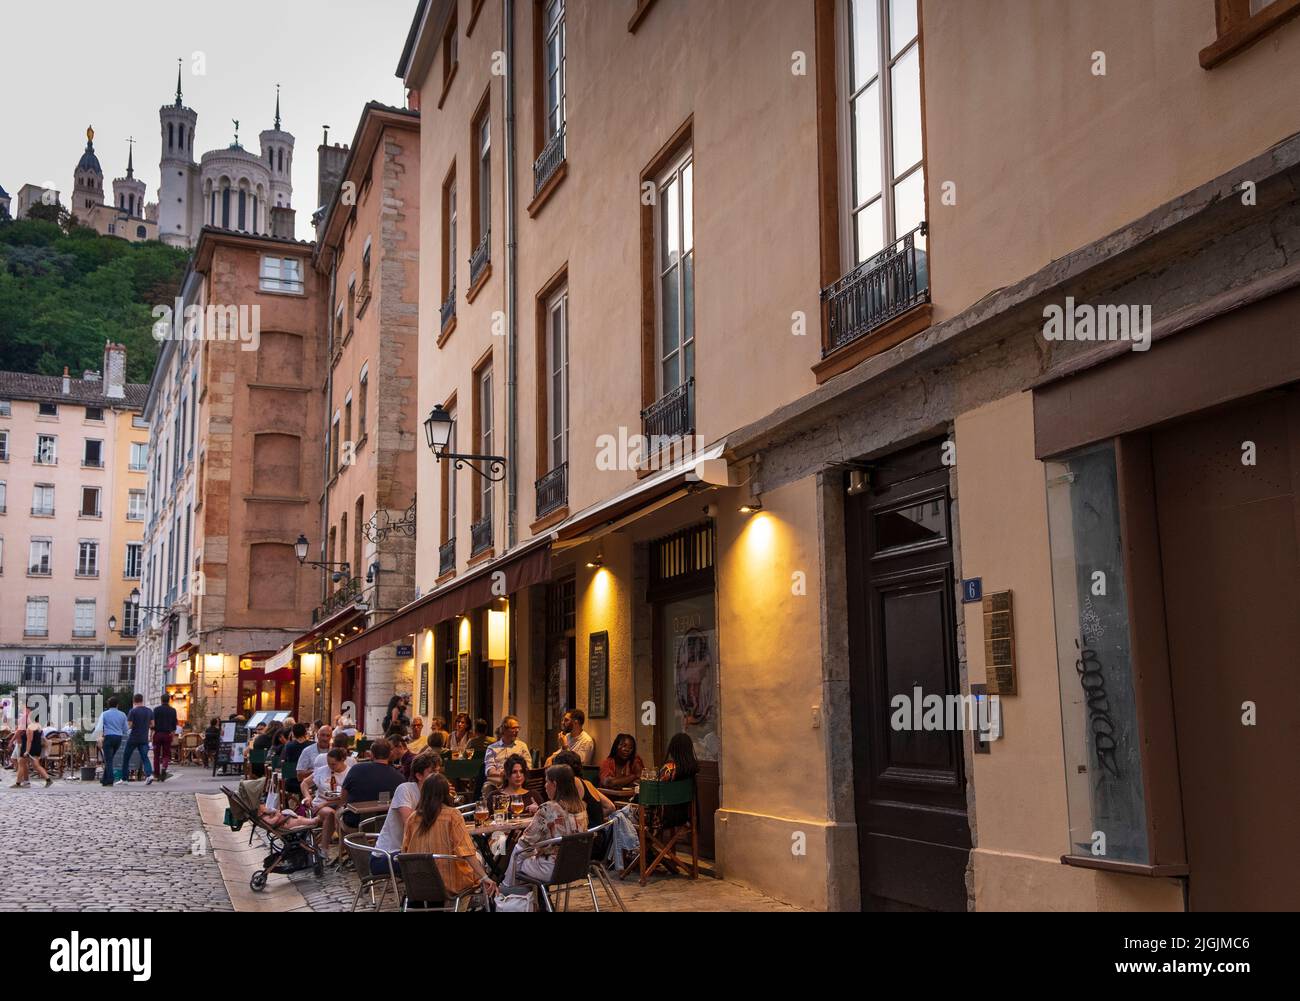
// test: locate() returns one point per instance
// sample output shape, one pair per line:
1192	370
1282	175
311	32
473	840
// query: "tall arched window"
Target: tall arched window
171	135
225	208
242	209
253	227
281	158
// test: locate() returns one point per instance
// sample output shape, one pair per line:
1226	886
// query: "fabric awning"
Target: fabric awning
528	565
278	660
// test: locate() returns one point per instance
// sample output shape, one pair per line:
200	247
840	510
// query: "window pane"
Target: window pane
688	186
909	202
688	298
869	225
670	375
906	81
670	235
902	24
669	304
866	145
866	41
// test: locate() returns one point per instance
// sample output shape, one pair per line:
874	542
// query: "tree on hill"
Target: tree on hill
63	294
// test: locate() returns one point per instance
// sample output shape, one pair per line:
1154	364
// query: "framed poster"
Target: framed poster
462	683
598	676
422	706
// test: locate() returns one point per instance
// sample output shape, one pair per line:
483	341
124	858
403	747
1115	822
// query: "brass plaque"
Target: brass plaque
999	644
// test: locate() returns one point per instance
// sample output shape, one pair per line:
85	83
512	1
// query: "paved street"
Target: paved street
77	846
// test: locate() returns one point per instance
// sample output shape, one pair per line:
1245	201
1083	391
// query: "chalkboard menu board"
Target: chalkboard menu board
423	704
230	752
462	683
598	676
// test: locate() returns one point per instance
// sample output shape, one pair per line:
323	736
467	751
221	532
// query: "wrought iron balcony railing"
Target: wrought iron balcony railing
447	557
480	258
553	490
449	307
545	166
878	290
348	594
671	416
480	536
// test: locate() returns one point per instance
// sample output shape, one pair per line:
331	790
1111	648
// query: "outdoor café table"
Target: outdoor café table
483	832
627	795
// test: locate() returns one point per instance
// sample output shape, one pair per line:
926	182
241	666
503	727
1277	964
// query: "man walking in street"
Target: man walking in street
164	731
112	728
139	717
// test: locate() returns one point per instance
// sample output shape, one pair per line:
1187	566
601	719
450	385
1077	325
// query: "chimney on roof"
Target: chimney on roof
283	222
90	375
114	370
329	172
67	383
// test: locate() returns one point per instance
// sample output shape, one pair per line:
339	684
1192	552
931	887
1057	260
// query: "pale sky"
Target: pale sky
67	64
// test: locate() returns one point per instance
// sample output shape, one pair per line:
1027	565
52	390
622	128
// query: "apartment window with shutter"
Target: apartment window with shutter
39	557
43	500
4	446
134	559
87	558
281	274
363	389
36	623
83	622
135	505
47	409
90	502
47	450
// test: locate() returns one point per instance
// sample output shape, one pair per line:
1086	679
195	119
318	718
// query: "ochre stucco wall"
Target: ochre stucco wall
1020	807
1047	157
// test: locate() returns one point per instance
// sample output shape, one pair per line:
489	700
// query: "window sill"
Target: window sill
446	84
1128	868
881	339
269	499
546	521
488	554
548	189
360	443
90	517
362	304
446	333
1246	34
291	295
443	578
472	292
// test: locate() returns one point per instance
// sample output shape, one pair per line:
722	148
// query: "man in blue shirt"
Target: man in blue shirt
140	717
112	728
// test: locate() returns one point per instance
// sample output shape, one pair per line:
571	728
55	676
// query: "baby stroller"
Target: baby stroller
290	850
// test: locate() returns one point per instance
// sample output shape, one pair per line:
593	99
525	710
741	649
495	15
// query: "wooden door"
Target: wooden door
1229	534
909	784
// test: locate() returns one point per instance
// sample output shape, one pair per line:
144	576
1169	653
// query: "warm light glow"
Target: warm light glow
463	646
760	533
496	635
309	663
212	661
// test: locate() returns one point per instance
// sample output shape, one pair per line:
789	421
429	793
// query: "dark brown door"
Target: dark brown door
1231	567
909	784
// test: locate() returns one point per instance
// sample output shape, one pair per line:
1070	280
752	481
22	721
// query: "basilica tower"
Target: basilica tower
178	207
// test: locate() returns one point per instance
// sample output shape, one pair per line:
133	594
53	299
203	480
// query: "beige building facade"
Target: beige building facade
890	357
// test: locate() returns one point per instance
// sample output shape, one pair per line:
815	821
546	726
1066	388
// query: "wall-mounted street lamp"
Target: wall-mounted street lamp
134	599
300	550
437	432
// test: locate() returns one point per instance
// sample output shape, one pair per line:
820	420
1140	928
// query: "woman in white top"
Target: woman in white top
405	799
462	733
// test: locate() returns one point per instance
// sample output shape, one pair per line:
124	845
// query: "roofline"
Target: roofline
411	35
212	236
366	137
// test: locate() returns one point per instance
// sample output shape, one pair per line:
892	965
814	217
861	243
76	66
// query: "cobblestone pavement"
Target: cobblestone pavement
80	847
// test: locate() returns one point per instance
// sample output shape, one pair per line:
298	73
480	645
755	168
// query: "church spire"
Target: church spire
130	160
277	107
178	83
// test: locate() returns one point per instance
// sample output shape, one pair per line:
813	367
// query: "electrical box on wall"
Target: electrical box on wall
999	644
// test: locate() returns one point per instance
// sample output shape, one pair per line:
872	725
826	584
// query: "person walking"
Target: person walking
139	717
112	729
30	747
164	732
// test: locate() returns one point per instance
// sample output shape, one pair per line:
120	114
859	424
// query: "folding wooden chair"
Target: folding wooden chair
658	794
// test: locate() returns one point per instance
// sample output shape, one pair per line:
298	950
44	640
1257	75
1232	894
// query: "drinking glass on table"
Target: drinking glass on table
516	806
481	812
384	798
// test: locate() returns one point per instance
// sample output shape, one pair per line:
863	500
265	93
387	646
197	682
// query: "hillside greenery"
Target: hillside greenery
65	290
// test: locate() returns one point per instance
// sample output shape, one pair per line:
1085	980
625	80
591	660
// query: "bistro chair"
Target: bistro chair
598	869
56	755
422	882
361	848
572	865
190	744
656	794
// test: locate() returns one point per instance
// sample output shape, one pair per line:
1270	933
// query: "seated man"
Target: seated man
327	790
367	779
401	757
574	738
495	758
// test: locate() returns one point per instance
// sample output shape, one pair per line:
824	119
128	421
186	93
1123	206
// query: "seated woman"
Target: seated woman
623	768
679	766
514	775
436	828
562	814
599	806
458	741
